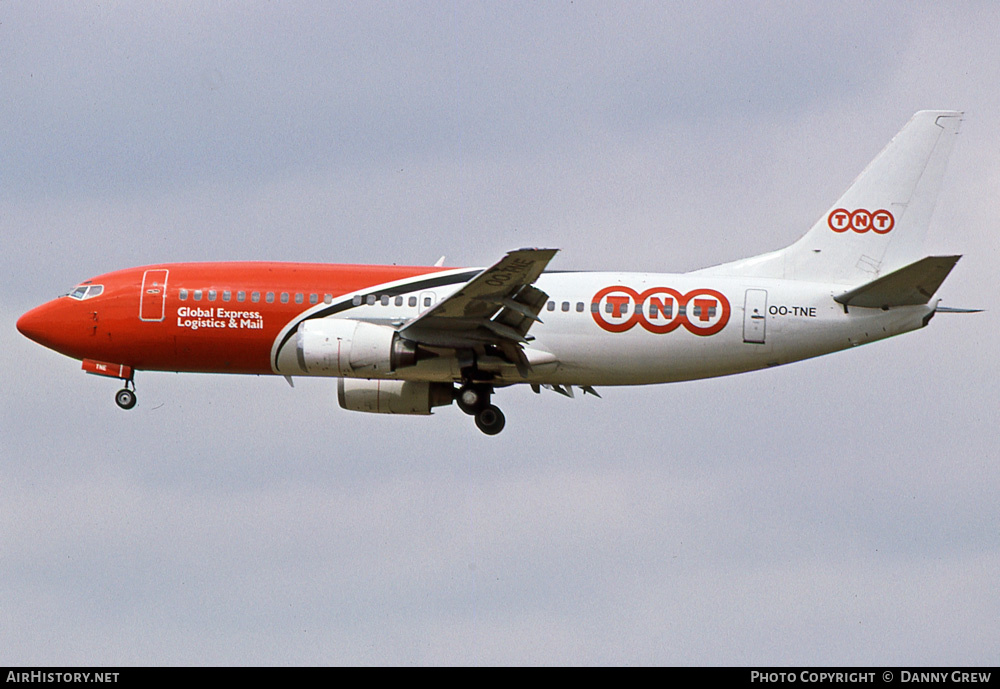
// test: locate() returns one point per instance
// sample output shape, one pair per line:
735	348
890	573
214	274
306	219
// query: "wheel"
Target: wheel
490	420
125	398
471	399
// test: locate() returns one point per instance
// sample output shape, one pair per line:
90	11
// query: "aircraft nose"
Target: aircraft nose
30	324
40	325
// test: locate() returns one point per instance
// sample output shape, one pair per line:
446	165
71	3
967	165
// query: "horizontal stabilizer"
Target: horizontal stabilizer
952	309
909	286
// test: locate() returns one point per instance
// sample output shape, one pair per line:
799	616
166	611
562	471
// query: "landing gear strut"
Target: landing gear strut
474	399
125	398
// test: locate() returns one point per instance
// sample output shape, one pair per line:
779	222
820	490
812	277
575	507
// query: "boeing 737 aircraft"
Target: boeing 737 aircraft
403	340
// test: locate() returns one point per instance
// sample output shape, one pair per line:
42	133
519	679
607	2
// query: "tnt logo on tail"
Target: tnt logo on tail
861	220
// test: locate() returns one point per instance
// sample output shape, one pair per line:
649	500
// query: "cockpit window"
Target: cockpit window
86	291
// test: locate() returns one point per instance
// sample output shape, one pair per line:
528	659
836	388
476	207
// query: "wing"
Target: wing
496	307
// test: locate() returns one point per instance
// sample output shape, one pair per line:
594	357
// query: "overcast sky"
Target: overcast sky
842	510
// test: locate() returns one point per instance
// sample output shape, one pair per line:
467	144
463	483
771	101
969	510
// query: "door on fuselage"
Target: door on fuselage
755	316
153	297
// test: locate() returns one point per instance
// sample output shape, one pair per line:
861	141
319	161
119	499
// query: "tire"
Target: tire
471	399
125	398
490	420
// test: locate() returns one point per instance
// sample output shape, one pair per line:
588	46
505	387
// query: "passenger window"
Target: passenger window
398	301
269	297
327	298
551	306
182	295
370	300
241	296
356	301
565	306
298	297
579	307
211	295
655	306
412	301
385	300
226	295
197	295
284	297
255	297
313	298
427	301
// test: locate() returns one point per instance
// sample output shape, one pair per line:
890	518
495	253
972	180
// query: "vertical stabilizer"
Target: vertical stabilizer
880	222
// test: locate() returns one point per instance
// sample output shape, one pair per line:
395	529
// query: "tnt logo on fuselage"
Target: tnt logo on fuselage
660	310
861	220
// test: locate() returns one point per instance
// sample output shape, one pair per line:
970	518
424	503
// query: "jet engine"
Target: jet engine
342	347
392	396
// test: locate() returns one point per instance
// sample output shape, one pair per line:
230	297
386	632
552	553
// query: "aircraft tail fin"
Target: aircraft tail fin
915	284
878	225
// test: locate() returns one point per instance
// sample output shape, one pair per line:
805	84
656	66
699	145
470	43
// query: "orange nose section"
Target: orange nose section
55	325
38	325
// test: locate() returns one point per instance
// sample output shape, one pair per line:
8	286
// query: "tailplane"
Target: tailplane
879	224
910	286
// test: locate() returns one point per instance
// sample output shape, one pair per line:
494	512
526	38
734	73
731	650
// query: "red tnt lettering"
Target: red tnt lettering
883	221
701	312
664	306
704	308
617	303
839	220
860	220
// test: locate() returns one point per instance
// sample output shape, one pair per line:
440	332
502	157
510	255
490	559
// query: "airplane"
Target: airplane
408	339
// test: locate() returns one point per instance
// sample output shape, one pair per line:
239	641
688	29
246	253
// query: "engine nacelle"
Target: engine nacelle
342	347
392	396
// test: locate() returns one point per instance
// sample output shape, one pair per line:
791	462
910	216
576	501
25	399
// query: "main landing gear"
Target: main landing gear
474	400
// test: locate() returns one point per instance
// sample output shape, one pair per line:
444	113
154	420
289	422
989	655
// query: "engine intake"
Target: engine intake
392	396
342	347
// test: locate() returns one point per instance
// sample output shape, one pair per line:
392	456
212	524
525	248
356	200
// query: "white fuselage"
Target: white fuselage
689	327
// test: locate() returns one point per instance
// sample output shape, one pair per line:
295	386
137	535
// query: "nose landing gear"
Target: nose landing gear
474	400
125	398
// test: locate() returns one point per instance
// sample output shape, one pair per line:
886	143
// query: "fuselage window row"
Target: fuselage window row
241	296
566	306
184	294
384	300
